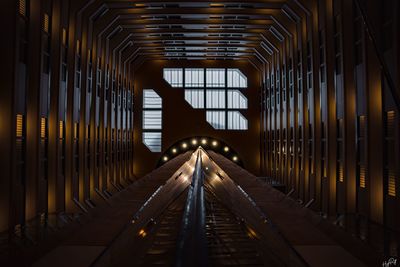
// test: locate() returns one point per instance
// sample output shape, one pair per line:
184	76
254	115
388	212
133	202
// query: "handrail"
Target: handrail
192	242
137	219
273	226
266	219
137	214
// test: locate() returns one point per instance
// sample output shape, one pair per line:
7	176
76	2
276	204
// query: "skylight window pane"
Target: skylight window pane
236	100
151	99
174	76
236	121
194	77
236	79
216	119
195	97
152	119
215	77
152	140
215	99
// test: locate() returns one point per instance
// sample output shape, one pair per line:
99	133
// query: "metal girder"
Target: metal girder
186	25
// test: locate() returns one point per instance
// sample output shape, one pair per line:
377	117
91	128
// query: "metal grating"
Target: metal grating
46	23
391	183
43	123
22	7
362	176
340	172
19	125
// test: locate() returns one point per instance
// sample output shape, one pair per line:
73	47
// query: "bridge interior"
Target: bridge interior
199	133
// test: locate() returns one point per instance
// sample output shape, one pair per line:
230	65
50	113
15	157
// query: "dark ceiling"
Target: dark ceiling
227	30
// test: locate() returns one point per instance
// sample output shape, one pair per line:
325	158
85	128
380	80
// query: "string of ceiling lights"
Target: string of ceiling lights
207	143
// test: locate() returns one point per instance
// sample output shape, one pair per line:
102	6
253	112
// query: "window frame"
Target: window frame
154	117
215	83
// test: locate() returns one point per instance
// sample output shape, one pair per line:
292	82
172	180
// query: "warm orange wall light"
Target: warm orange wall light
46	23
22	7
64	37
43	128
61	129
19	125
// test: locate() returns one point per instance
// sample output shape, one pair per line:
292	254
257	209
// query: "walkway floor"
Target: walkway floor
86	242
319	243
315	239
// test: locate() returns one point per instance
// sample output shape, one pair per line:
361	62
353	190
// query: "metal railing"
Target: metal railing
192	241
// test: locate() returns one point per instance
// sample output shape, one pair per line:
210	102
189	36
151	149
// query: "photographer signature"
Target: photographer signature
390	262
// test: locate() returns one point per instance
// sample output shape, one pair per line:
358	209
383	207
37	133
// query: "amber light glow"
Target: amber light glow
46	23
22	7
76	131
362	176
142	233
78	47
391	184
251	233
341	178
43	128
64	36
216	5
19	125
61	129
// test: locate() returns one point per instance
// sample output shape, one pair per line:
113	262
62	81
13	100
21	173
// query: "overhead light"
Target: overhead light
174	150
235	158
216	5
214	143
184	145
226	149
204	141
165	158
194	142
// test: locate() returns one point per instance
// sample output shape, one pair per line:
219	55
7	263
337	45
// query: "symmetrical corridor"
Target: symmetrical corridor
176	222
293	107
